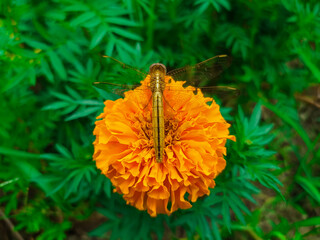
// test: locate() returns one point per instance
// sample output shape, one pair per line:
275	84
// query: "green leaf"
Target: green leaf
76	7
27	169
309	187
90	102
102	229
126	34
226	215
292	123
64	151
83	112
98	36
313	221
204	229
255	117
84	17
62	97
122	21
310	63
57	64
215	230
46	70
36	44
73	93
107	213
56	105
9	182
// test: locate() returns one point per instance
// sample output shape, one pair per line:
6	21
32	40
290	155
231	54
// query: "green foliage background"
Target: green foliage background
50	55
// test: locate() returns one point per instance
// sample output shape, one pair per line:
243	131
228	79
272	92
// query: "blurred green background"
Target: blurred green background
50	53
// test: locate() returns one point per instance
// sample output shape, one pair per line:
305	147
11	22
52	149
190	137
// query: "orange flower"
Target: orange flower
196	134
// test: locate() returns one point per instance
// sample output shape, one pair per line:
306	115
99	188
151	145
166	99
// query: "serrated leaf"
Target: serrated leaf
238	202
92	23
107	213
76	7
110	46
98	36
269	182
76	178
123	46
56	105
116	12
46	70
309	187
84	17
265	129
57	64
106	95
225	4
215	230
122	21
62	97
73	93
255	117
68	54
126	34
90	102
64	151
300	130
204	228
68	109
58	187
102	229
36	44
313	221
226	215
83	112
26	168
236	210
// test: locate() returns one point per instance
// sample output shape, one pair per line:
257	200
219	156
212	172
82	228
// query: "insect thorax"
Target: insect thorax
157	73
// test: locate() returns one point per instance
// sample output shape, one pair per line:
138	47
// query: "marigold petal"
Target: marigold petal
178	200
159	192
196	134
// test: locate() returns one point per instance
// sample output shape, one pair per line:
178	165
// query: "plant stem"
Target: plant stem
15	233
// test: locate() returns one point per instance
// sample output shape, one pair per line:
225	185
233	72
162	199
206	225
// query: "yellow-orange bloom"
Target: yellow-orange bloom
196	134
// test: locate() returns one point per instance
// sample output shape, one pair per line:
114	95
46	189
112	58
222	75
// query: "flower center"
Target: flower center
171	126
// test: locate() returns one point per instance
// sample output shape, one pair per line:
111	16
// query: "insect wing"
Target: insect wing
131	74
199	74
118	89
117	77
222	92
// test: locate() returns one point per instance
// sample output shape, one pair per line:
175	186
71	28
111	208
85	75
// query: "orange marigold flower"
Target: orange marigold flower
196	134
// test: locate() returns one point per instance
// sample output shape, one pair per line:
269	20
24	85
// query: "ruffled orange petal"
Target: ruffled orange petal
196	134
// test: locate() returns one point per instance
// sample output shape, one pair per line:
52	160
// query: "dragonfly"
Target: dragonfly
194	75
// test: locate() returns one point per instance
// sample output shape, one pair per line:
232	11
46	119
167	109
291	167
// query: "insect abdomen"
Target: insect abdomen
158	125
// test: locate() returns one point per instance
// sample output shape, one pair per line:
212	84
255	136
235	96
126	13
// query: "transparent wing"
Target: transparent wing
118	89
117	77
135	73
199	74
224	93
216	90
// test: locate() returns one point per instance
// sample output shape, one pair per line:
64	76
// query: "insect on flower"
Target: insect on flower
191	75
162	144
